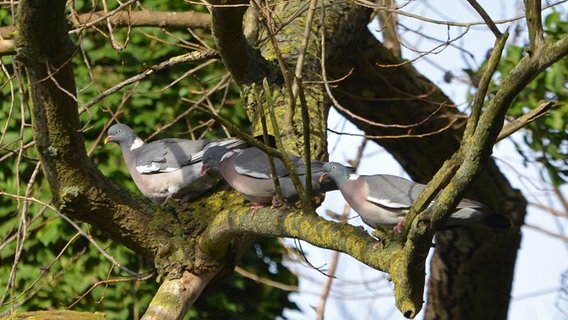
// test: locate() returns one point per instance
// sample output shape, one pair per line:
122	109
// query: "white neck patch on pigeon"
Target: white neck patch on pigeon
353	176
226	155
137	143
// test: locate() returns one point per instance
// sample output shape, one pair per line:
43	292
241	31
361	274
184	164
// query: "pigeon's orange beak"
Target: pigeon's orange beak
203	169
107	139
323	177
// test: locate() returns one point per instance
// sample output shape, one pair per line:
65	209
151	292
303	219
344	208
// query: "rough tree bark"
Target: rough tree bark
423	130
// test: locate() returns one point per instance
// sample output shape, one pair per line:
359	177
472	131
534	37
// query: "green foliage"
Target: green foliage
548	136
54	267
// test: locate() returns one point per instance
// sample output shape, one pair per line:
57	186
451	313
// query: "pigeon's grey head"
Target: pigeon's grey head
121	134
212	157
335	171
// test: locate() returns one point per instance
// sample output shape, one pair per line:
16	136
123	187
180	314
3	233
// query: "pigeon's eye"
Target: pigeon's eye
333	168
119	131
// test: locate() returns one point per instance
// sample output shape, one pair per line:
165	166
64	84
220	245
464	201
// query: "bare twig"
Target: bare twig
483	86
290	109
399	136
389	22
105	283
540	111
547	232
192	56
373	5
534	24
303	48
265	281
485	16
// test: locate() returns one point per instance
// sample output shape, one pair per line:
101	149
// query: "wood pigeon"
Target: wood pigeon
384	200
166	168
248	171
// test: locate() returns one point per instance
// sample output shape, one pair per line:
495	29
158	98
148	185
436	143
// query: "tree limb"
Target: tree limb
388	20
534	24
146	18
243	62
485	16
175	296
538	112
236	220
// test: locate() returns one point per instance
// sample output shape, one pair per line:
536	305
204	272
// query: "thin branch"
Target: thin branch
485	16
388	21
540	111
552	211
303	48
306	134
106	282
373	5
146	18
534	24
561	198
291	107
278	139
483	86
399	136
265	281
547	232
188	57
79	231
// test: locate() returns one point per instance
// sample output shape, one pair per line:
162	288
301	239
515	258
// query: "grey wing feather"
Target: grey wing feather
229	143
255	163
392	191
167	155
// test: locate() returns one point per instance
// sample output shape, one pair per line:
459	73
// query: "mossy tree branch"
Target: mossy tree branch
235	220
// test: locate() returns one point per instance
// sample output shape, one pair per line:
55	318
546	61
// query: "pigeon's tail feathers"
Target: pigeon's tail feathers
229	143
478	217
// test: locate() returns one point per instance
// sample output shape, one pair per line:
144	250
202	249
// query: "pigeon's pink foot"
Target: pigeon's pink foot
276	203
398	227
255	207
165	202
379	244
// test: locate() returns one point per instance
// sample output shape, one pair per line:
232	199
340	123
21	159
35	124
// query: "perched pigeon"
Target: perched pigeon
385	200
249	172
166	168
